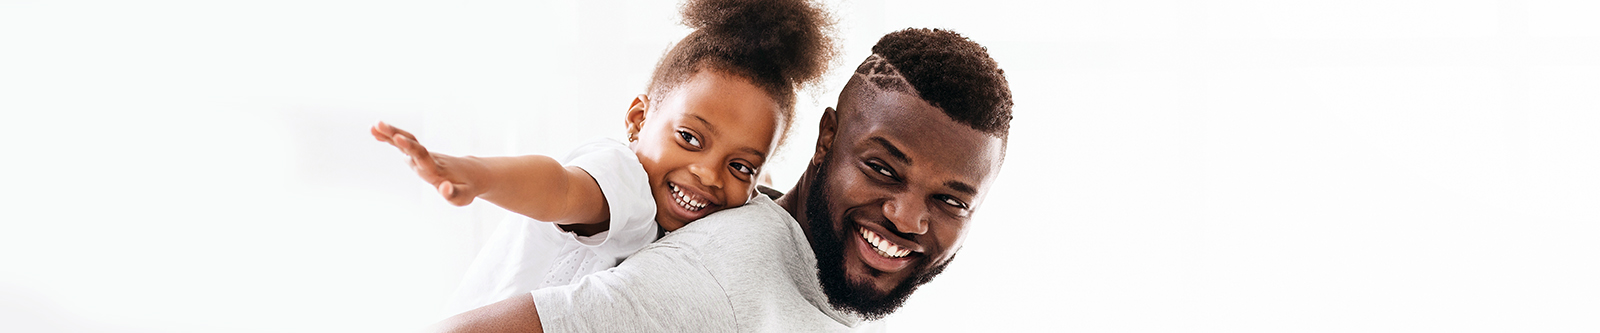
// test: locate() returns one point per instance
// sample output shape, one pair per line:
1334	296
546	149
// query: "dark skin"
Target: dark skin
709	138
702	146
901	169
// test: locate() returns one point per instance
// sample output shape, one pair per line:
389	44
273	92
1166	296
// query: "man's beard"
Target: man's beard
858	297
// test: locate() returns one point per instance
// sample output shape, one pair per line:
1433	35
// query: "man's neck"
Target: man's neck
794	202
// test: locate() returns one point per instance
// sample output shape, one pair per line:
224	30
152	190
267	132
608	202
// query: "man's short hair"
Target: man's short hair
952	73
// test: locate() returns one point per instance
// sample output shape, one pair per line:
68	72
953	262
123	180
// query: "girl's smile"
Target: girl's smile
703	144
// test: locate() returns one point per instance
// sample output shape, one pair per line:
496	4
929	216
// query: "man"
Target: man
917	139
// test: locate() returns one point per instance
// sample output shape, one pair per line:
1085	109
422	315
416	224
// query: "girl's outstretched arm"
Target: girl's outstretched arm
536	186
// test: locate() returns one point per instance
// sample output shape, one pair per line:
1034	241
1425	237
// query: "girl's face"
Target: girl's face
703	144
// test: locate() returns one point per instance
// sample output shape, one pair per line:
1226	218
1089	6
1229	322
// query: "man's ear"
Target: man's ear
827	128
634	120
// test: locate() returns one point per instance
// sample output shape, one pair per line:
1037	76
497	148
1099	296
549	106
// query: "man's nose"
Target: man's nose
908	214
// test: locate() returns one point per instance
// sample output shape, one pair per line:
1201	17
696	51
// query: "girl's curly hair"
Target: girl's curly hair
781	46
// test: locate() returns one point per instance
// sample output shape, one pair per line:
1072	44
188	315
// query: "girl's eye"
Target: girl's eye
953	202
741	168
687	137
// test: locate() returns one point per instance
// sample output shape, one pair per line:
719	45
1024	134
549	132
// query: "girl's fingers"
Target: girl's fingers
423	162
420	158
455	193
386	133
410	147
379	134
396	130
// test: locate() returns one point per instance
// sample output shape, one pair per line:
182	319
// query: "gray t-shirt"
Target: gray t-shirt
746	269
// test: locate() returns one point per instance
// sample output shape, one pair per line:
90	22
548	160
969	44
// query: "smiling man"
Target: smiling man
899	168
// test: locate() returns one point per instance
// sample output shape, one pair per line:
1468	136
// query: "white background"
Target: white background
1175	166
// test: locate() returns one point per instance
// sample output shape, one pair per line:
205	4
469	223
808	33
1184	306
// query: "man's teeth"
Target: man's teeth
884	246
682	199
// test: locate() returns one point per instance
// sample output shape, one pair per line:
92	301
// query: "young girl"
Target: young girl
717	106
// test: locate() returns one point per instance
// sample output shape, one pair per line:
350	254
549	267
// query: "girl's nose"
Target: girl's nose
708	173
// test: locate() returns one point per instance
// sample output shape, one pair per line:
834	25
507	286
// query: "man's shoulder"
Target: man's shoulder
761	215
771	193
759	229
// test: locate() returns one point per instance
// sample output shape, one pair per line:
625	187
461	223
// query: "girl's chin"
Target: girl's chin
669	222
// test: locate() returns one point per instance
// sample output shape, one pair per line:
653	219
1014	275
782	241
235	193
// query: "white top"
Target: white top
525	254
744	269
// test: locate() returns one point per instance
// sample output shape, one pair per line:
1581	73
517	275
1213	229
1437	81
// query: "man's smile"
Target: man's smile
881	253
884	247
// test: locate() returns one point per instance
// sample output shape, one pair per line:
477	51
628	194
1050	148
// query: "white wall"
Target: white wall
1176	166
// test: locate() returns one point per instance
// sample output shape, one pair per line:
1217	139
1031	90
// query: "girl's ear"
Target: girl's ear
826	130
635	117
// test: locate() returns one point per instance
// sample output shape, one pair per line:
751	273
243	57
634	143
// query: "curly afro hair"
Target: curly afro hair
779	45
952	73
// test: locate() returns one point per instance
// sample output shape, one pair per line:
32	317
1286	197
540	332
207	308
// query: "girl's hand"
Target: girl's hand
453	176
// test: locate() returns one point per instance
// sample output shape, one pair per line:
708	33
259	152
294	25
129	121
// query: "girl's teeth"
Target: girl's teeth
684	200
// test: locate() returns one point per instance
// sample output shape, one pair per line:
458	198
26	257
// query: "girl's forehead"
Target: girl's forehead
714	92
726	108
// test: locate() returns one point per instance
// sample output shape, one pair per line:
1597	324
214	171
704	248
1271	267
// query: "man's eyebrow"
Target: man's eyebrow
893	151
961	187
709	128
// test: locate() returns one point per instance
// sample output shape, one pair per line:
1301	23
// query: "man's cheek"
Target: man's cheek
854	268
948	240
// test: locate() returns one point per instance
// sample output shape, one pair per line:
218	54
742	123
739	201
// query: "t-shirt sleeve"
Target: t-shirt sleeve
663	288
627	191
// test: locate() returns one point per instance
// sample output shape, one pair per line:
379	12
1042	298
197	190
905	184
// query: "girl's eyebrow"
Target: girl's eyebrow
713	130
707	124
753	151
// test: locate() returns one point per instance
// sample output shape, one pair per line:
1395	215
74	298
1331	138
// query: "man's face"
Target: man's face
892	196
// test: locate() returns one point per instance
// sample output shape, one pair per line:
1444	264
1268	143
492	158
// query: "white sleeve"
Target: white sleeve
627	191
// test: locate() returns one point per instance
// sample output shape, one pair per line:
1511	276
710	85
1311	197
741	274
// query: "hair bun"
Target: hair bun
779	45
786	38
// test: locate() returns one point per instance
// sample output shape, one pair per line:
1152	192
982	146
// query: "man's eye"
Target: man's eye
687	137
740	167
953	202
881	169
